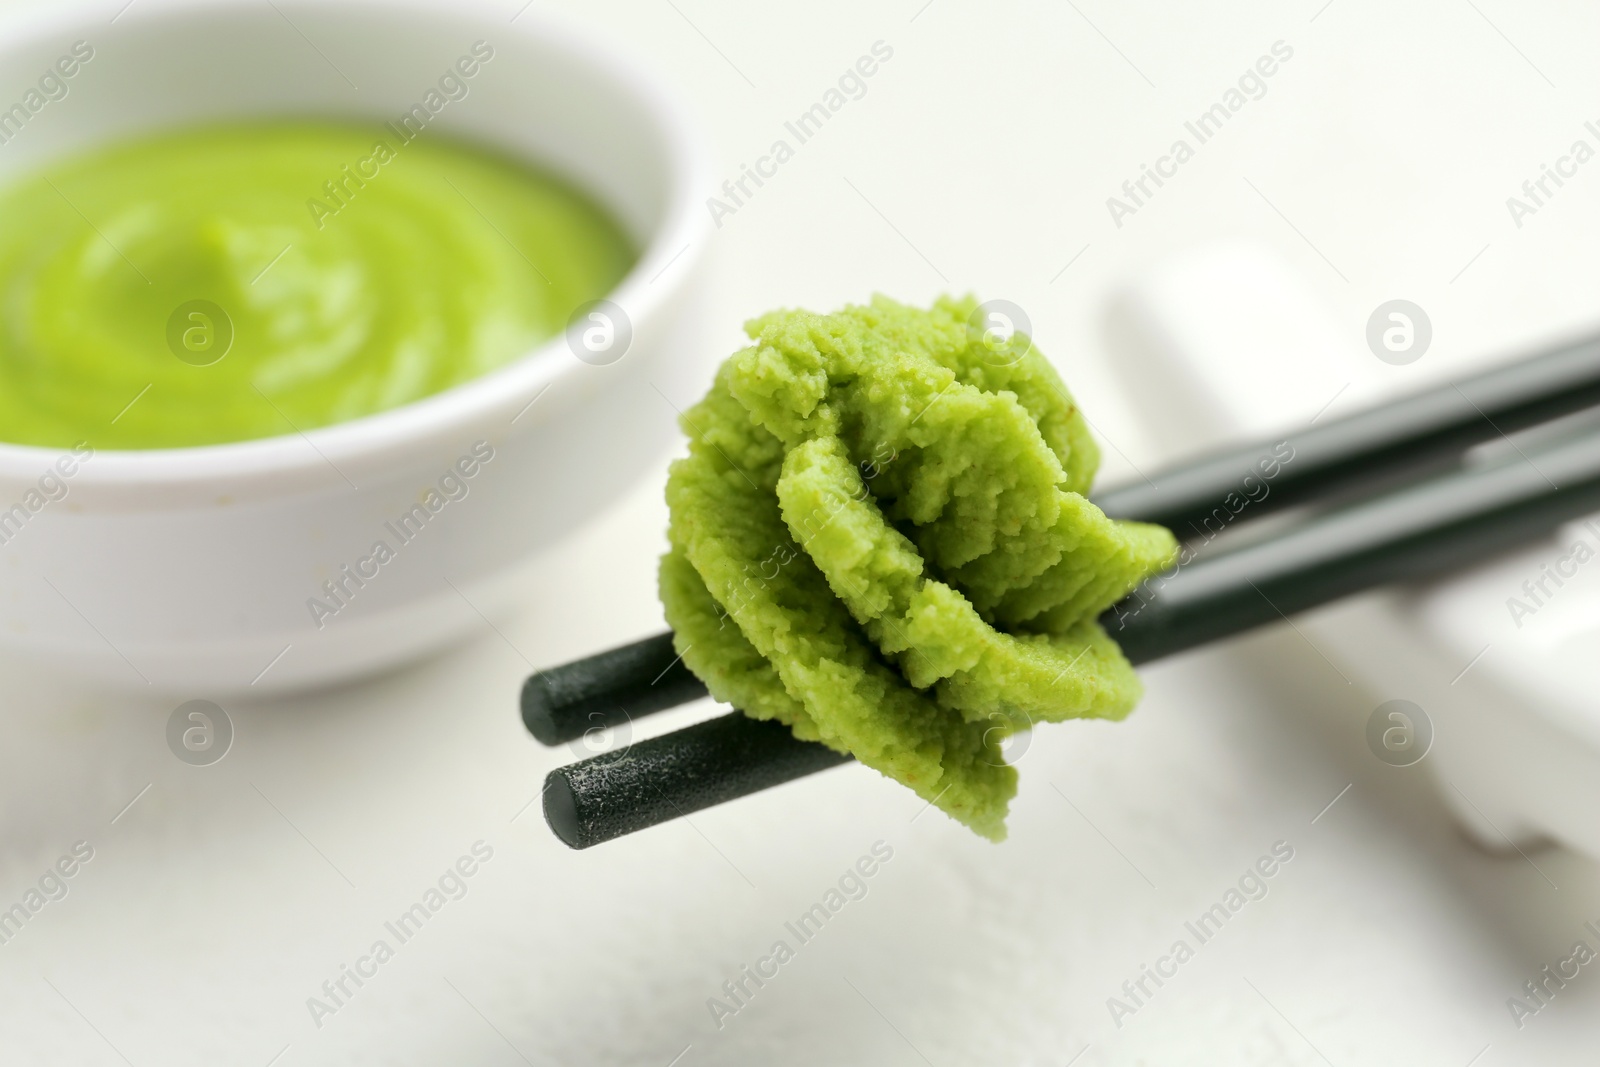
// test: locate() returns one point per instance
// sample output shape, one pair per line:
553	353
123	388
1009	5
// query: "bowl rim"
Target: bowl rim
451	414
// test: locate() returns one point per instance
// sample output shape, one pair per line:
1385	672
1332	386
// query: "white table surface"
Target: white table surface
1378	163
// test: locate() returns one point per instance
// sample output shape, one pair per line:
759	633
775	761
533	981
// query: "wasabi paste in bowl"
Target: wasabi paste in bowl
303	273
320	319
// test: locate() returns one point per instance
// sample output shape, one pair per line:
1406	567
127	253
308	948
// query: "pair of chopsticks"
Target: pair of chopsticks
1391	499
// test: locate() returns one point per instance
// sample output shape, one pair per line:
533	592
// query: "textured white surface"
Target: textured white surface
224	896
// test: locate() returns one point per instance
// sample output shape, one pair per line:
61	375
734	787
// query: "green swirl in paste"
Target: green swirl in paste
358	270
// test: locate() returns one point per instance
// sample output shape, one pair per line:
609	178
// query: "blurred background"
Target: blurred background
1377	164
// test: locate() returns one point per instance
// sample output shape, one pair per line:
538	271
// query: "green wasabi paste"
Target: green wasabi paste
233	282
880	537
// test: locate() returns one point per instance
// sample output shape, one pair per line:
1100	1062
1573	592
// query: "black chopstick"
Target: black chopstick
1417	532
1359	454
666	777
1380	446
607	690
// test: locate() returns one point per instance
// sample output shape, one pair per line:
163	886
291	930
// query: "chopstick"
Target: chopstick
1380	446
1418	531
606	690
1361	453
676	774
1415	533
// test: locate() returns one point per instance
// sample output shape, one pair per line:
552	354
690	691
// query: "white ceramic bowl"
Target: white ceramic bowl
192	569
